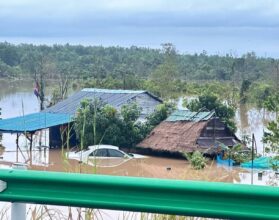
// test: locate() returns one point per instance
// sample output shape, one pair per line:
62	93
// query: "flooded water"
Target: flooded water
17	99
253	121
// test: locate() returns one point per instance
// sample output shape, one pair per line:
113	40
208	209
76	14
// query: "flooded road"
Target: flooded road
17	99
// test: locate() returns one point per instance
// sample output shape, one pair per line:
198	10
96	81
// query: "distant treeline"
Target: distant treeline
163	72
118	62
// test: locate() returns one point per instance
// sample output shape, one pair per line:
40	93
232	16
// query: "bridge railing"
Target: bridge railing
178	197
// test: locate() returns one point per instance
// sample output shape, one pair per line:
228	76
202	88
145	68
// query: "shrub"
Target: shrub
196	159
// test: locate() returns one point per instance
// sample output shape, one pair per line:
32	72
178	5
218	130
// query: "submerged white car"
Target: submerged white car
102	152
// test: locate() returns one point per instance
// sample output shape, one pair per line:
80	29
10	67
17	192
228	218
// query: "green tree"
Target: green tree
259	93
131	128
164	75
271	138
161	112
243	90
97	123
165	72
89	116
9	54
272	103
211	102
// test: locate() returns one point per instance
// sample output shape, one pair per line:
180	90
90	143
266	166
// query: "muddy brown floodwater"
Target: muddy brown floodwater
16	98
153	167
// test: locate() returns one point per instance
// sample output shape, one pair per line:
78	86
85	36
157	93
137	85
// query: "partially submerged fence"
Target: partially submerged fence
190	198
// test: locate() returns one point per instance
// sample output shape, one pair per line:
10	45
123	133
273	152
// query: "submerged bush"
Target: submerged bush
196	159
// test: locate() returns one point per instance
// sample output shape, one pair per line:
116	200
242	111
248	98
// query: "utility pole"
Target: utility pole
42	94
253	142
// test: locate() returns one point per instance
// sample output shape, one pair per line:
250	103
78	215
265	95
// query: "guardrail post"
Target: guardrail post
18	210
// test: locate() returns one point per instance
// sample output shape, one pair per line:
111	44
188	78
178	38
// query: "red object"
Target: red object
37	89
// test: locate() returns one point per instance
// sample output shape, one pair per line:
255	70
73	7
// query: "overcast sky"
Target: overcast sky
218	26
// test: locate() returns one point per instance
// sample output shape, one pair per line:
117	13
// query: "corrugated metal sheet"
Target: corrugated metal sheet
186	115
116	98
116	91
63	111
33	122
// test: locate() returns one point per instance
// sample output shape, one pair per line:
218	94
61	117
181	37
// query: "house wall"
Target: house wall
216	131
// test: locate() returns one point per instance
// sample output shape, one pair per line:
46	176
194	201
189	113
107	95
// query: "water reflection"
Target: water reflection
259	177
250	121
243	118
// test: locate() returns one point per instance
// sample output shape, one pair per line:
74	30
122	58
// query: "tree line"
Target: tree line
118	62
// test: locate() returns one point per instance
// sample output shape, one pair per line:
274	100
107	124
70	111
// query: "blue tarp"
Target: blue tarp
261	163
227	162
33	122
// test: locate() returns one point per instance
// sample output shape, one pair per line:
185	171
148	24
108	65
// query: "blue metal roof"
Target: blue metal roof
186	115
33	122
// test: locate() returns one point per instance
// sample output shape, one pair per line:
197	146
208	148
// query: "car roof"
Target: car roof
103	146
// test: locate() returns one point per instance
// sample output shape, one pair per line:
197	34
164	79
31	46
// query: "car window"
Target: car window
115	153
99	153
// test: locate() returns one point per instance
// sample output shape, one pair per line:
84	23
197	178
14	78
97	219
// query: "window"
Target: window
99	153
115	153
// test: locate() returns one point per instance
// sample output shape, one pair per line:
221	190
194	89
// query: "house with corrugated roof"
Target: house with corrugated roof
115	98
62	114
185	131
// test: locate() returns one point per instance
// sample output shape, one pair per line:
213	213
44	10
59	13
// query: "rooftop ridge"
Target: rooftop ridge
113	90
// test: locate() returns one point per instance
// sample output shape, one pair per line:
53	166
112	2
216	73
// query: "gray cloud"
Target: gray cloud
30	14
244	24
48	25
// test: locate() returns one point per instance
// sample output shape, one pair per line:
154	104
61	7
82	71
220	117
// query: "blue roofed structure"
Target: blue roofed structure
33	122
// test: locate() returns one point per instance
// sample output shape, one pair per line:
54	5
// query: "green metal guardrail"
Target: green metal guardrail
190	198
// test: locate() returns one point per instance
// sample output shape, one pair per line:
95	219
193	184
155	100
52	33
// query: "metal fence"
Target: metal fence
190	198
